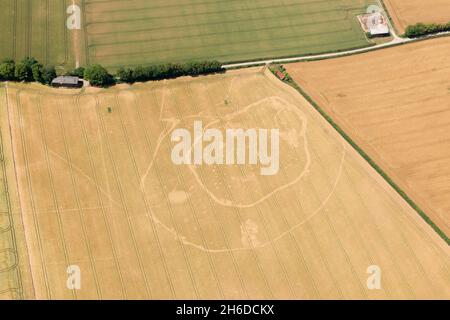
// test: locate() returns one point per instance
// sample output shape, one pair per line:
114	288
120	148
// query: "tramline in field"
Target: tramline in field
98	191
134	32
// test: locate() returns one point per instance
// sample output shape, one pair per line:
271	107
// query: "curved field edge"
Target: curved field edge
372	163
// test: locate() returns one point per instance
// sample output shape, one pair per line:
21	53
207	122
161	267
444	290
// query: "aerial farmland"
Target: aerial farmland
207	151
399	114
115	203
134	32
405	13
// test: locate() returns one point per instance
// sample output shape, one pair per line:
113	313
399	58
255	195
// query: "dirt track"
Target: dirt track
98	189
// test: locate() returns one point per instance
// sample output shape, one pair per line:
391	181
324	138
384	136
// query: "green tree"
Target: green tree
21	72
7	68
98	76
140	74
77	72
125	75
24	69
36	69
48	74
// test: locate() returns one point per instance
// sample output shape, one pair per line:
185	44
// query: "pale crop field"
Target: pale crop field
98	190
14	269
405	13
395	104
133	32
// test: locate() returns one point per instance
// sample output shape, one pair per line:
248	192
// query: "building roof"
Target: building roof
280	74
66	80
377	24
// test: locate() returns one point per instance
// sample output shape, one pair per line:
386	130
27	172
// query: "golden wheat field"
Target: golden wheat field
97	189
405	13
396	104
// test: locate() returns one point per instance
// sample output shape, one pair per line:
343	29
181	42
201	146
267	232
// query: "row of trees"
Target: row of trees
422	29
28	70
99	76
167	71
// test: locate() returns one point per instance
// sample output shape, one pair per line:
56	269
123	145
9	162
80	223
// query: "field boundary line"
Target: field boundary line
372	163
383	240
333	54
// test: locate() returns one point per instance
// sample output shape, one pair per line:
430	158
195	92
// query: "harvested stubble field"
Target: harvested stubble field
98	189
9	273
395	104
405	13
14	271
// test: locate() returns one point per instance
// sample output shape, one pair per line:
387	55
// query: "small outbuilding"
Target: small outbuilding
67	82
375	23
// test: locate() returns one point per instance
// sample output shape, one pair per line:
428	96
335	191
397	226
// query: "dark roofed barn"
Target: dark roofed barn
67	82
